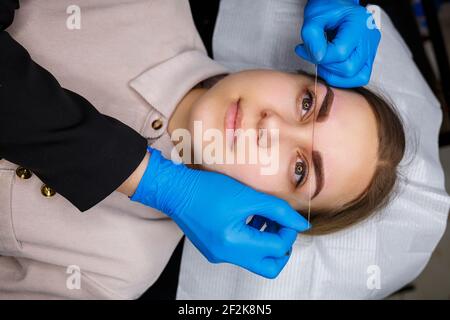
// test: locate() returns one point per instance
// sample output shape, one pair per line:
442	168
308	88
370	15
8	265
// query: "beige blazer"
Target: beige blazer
134	60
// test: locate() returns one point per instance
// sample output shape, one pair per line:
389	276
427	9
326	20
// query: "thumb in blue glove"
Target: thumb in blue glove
212	210
346	59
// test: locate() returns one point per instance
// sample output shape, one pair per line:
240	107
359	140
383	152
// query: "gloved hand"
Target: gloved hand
346	60
212	210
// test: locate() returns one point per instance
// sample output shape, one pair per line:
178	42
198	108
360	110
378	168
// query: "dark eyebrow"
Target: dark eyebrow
316	155
318	169
326	104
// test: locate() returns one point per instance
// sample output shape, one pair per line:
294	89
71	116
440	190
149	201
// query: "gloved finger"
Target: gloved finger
314	39
347	39
271	267
361	79
288	235
265	244
302	52
350	67
282	213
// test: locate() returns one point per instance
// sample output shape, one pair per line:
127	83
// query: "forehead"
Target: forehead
348	141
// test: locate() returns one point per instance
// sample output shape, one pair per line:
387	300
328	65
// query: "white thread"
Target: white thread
312	143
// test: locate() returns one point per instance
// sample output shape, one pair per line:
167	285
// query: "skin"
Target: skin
346	138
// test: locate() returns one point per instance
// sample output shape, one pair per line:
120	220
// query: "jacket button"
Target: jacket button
157	124
23	173
47	191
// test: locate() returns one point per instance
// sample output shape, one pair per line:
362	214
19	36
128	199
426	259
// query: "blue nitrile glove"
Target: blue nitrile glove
346	59
212	210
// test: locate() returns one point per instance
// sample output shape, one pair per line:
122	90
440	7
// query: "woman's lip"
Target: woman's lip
233	116
233	119
238	120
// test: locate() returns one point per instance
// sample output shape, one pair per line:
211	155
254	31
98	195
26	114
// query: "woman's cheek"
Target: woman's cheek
251	176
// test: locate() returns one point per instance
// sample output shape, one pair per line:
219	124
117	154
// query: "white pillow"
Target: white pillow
394	245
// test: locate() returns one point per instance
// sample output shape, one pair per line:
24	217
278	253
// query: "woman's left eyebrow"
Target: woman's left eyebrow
327	103
318	169
316	155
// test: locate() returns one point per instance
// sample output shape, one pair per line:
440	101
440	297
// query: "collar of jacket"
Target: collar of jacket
164	85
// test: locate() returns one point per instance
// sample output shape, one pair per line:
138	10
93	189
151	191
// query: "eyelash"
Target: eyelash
298	170
312	103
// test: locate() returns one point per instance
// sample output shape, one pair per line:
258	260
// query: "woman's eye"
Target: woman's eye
300	172
307	104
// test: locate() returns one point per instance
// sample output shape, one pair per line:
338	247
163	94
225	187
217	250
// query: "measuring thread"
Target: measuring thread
312	142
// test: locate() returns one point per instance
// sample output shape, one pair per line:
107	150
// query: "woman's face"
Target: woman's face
337	167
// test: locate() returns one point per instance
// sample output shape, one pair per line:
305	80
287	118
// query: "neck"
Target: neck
180	118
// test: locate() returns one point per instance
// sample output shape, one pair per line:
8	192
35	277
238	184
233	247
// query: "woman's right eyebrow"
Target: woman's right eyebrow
318	169
326	105
316	155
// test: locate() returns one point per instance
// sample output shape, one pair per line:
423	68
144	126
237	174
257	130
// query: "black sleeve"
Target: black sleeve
81	153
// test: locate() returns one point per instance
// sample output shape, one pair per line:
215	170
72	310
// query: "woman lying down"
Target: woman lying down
346	174
155	83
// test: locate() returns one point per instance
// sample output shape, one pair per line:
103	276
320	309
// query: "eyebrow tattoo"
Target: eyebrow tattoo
317	156
326	105
318	169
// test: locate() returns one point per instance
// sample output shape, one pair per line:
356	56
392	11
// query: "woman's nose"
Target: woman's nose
289	130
